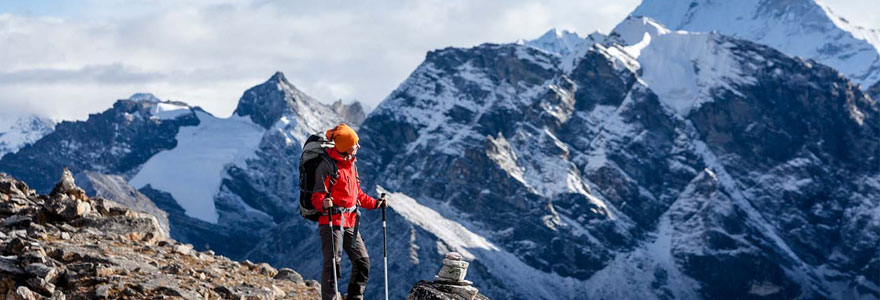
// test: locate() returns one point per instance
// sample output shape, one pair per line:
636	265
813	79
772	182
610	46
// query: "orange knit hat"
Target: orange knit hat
343	136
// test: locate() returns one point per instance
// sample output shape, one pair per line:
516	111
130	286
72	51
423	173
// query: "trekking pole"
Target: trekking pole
385	248
333	244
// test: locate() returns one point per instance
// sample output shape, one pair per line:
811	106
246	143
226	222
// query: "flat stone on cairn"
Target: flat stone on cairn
453	271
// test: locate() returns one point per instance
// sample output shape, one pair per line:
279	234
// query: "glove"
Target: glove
328	203
382	202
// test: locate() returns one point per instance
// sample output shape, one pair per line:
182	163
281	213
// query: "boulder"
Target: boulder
289	275
140	228
67	207
267	270
21	293
49	274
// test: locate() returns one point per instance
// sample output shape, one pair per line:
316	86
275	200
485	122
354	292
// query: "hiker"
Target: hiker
345	195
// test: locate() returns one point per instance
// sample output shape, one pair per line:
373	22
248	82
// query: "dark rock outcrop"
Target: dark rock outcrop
66	245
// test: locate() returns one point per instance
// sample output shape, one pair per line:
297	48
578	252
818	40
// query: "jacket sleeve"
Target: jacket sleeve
365	200
322	186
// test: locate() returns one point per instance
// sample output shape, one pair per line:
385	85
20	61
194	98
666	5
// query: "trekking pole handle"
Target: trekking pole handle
383	209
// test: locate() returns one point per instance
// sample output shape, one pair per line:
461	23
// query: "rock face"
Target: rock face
66	245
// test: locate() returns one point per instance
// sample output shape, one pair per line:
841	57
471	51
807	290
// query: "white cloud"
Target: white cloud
208	52
74	59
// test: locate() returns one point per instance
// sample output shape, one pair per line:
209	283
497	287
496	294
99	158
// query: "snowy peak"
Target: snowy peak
562	42
18	131
805	28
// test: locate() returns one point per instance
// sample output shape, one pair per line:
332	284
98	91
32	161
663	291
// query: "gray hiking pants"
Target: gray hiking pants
360	262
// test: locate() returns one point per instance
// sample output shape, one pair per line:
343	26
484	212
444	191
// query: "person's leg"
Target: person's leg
327	243
360	264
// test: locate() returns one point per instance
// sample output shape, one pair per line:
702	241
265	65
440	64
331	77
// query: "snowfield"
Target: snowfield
192	171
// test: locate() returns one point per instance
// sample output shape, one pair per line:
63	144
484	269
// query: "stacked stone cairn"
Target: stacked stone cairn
448	284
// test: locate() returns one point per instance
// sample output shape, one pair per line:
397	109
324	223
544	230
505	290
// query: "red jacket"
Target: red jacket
346	191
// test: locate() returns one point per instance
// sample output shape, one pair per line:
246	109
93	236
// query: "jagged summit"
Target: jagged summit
266	103
279	77
805	28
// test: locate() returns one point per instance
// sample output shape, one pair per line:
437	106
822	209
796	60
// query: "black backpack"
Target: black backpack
314	152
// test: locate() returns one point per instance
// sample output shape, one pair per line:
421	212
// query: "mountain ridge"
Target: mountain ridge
805	28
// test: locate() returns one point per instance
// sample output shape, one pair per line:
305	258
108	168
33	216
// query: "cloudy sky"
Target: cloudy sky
69	58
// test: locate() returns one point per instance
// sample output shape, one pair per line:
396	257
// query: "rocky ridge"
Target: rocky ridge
68	245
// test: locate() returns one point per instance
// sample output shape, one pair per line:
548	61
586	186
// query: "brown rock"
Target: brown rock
49	274
267	270
289	275
40	285
21	293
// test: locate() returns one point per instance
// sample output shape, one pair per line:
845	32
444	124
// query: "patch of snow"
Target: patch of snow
682	68
168	110
144	97
192	172
633	30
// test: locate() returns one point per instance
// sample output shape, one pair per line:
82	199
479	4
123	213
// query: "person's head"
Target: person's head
345	140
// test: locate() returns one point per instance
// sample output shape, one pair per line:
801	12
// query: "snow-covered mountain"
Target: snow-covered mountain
805	28
656	165
18	131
